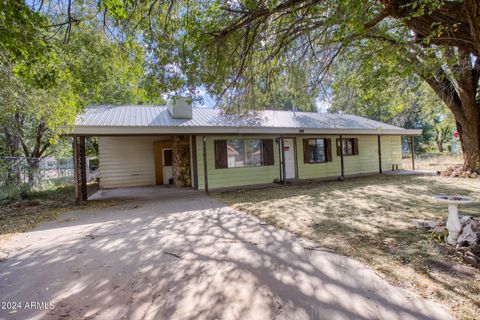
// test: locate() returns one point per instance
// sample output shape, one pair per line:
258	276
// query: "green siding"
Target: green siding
365	162
317	170
231	177
391	152
367	159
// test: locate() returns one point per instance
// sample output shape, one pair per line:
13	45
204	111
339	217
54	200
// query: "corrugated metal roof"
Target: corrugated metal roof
155	117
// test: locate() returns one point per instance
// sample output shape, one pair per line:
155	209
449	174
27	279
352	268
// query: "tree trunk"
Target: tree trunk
33	171
440	145
469	133
12	146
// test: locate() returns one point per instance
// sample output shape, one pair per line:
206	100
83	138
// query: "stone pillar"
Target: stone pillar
181	161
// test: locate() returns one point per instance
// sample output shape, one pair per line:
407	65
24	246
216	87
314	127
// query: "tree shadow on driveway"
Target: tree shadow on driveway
191	258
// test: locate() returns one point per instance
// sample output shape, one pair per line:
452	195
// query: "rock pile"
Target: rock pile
457	171
468	242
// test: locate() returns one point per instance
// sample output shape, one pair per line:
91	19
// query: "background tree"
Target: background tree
385	96
45	86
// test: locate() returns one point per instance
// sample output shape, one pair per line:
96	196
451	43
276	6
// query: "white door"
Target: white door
289	151
167	166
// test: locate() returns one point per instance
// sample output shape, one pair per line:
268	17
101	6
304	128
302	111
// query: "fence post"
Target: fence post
412	147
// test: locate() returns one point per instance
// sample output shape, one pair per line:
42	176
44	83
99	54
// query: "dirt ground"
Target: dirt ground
370	219
189	256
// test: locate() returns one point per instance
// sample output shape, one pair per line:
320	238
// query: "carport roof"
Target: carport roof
140	119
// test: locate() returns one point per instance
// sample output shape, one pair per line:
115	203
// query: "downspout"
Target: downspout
277	140
341	158
205	170
283	160
379	154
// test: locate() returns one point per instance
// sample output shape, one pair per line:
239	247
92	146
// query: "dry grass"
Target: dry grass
370	219
434	161
23	215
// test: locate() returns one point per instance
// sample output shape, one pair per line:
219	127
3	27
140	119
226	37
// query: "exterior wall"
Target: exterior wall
232	177
391	152
318	170
364	163
127	161
130	161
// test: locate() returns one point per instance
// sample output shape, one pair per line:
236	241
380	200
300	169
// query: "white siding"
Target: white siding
127	161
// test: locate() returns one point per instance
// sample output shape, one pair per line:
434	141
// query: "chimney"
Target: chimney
180	107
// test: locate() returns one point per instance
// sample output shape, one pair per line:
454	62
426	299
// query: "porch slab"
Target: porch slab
411	172
142	193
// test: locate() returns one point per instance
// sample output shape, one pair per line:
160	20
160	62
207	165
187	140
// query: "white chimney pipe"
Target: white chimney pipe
180	107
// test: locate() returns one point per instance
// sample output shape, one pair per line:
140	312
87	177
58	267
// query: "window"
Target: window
317	150
349	146
237	153
244	153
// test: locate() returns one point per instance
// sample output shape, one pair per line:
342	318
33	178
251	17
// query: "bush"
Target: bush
10	193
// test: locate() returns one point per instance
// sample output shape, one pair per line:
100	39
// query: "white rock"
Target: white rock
470	231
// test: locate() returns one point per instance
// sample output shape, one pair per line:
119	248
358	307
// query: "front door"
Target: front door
167	166
163	162
289	152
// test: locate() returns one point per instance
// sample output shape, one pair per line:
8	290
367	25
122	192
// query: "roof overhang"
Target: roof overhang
138	130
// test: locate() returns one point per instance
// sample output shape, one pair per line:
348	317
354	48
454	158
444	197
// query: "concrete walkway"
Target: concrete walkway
190	257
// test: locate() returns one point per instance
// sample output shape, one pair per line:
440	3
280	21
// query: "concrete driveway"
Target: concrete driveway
187	256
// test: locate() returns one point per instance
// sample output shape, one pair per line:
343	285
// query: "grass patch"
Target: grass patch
18	216
433	161
370	219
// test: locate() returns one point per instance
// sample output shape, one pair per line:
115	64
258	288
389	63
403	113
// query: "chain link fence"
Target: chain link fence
20	174
17	173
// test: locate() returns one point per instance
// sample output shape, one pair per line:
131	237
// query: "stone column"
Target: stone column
181	161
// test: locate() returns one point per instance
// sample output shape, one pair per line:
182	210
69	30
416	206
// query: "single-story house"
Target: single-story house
207	148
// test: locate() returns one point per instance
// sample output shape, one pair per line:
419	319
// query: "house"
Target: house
206	148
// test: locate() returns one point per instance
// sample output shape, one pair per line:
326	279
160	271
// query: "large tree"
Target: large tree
223	43
437	40
385	96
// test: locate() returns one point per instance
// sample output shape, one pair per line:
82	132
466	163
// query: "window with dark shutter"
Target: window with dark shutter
305	151
315	150
355	147
328	148
221	160
349	146
267	148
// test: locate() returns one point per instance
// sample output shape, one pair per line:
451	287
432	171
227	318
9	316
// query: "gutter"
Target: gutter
164	130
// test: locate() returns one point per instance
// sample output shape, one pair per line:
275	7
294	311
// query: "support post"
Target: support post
80	169
412	150
194	162
283	159
205	170
379	154
341	158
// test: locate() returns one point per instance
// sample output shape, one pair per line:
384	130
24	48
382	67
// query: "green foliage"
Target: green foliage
20	31
105	72
376	90
46	81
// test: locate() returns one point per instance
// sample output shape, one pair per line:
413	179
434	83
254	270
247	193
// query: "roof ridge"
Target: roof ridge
209	108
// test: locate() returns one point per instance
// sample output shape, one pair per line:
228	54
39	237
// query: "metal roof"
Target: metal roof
139	119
